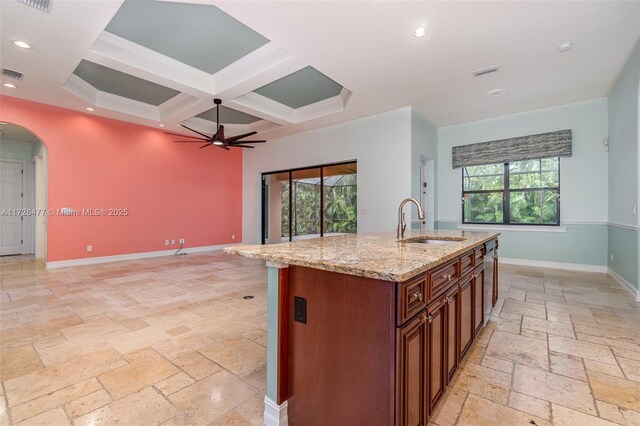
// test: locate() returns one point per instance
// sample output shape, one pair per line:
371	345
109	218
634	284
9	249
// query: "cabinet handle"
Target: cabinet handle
447	277
423	318
417	296
430	319
449	300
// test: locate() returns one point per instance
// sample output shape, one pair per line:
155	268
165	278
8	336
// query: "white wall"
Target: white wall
382	146
424	147
583	177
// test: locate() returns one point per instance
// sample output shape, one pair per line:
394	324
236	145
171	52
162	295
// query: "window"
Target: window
517	193
292	202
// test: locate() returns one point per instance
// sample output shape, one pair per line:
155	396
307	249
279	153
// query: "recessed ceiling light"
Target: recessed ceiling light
564	47
9	85
160	125
22	44
90	109
420	31
497	93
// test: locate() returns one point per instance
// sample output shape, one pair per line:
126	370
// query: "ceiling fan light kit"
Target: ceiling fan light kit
218	139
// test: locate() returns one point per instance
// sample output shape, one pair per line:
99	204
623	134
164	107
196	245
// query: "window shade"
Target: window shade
543	145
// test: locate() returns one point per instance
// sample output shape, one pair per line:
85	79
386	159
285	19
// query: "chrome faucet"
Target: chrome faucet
401	223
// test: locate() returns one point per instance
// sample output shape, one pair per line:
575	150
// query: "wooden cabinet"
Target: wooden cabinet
377	352
437	338
453	331
412	298
466	314
438	314
411	376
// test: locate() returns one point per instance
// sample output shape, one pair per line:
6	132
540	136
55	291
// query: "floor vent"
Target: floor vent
484	71
14	75
42	5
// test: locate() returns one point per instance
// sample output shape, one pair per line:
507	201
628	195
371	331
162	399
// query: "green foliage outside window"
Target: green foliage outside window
340	206
527	190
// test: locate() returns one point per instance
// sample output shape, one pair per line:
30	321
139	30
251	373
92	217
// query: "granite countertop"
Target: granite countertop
371	255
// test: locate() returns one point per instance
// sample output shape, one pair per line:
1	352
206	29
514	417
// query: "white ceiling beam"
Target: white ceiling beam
131	58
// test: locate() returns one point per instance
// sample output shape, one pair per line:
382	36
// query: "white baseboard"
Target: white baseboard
274	414
625	284
554	265
130	256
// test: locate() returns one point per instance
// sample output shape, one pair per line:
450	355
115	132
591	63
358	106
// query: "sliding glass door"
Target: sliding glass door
309	202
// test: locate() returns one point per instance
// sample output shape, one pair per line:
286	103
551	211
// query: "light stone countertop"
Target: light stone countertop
371	255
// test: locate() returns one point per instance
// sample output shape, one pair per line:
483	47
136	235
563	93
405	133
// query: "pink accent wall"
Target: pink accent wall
172	190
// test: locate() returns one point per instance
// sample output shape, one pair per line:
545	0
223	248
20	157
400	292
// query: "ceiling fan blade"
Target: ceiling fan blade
235	138
237	145
251	141
223	147
198	141
195	131
204	146
185	136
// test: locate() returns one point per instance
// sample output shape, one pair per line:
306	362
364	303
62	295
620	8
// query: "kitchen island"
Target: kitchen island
364	329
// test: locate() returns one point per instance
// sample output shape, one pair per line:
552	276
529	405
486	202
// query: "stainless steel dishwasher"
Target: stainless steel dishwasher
490	277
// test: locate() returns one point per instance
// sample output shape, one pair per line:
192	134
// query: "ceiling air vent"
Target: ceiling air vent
484	71
42	5
15	75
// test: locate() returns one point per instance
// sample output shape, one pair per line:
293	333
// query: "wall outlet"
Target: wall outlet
166	242
233	237
173	242
181	241
89	248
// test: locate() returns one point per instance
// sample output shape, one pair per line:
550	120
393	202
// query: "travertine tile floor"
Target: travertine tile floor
172	341
158	341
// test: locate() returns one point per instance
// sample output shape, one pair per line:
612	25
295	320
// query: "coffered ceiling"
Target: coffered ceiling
287	67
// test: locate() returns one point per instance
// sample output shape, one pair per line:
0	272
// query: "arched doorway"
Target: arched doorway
23	192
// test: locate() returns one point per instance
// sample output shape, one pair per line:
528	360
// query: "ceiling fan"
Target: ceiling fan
217	139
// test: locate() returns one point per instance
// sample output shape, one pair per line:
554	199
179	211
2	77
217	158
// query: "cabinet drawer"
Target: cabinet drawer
412	298
479	256
467	261
439	279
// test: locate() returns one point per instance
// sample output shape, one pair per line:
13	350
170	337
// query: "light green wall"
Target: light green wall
583	181
581	244
15	150
623	245
623	106
272	333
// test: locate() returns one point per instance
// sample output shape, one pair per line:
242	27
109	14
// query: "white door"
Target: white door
11	195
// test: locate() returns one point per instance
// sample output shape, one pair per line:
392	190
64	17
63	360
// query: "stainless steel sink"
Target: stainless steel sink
431	240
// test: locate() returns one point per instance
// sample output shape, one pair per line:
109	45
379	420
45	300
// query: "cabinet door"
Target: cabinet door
437	351
411	377
478	300
453	328
466	314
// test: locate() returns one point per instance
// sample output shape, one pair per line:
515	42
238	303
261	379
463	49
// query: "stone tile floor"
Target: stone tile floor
171	341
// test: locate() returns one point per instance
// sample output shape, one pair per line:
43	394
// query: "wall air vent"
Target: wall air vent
15	75
42	5
478	73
